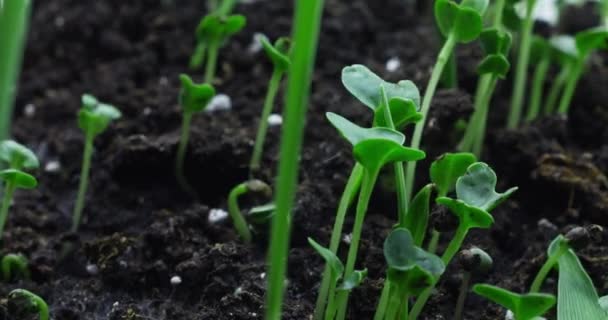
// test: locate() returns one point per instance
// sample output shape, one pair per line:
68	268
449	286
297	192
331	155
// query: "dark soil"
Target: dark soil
140	230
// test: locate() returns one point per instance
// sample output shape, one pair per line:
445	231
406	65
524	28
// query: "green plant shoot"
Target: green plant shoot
94	118
213	30
31	301
541	55
564	50
278	53
193	98
13	266
240	224
459	23
524	306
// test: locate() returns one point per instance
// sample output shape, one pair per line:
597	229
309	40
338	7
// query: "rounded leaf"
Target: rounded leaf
467	25
495	64
19	178
446	170
477	187
17	155
277	53
94	117
526	306
194	97
399	250
373	154
355	134
352	281
403	112
469	216
495	41
463	20
330	258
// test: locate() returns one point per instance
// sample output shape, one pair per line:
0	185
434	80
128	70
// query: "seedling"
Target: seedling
31	302
459	23
212	31
474	261
13	266
18	156
541	56
94	118
193	98
564	50
524	306
240	224
410	271
279	56
476	197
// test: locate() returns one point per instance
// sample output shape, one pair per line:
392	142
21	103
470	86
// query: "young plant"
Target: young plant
474	261
459	23
212	32
13	266
14	19
193	98
411	270
476	197
528	306
307	23
31	302
541	56
279	56
240	224
564	50
523	57
94	118
494	66
18	156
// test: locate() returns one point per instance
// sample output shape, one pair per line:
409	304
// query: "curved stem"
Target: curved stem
462	296
6	204
235	212
15	262
367	187
564	104
350	191
181	153
556	89
273	88
483	118
522	67
442	59
383	302
212	52
43	309
537	88
547	266
84	181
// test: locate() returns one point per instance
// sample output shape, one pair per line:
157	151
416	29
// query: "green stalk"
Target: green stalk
84	180
432	248
483	118
350	191
181	153
573	79
556	89
395	302
14	16
442	59
198	57
498	12
462	296
383	302
519	87
226	7
544	270
6	204
235	212
273	88
469	136
331	302
213	49
367	187
447	256
306	34
449	77
537	88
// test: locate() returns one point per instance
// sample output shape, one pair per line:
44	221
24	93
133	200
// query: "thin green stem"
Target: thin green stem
432	248
547	266
198	57
226	7
383	302
462	295
469	136
442	59
307	23
84	180
483	118
235	212
6	204
394	302
519	87
405	307
556	89
350	191
181	153
211	65
367	187
498	11
537	88
570	88
273	88
449	77
331	302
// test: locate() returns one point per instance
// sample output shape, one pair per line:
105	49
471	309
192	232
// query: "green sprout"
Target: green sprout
524	306
193	98
541	56
476	197
13	266
411	270
306	26
474	261
14	16
94	118
31	302
18	158
494	66
212	31
459	23
278	53
240	224
523	57
564	50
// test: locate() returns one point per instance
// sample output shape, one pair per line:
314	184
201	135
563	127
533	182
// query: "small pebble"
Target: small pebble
52	166
256	45
176	280
217	215
347	238
92	269
275	120
59	21
263	275
509	315
163	81
238	291
546	225
29	110
393	64
219	102
147	111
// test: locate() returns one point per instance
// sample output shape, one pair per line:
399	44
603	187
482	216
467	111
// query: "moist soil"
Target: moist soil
140	229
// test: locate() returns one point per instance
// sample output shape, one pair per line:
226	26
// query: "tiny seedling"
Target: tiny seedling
563	48
212	31
18	156
541	56
94	118
278	53
14	266
459	23
31	302
193	98
474	261
240	224
528	306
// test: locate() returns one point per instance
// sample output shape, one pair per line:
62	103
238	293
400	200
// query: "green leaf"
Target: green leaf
373	154
94	116
446	170
464	20
494	64
523	306
477	187
194	97
495	41
355	134
261	214
469	216
214	27
277	53
564	48
330	258
17	155
403	112
417	217
603	301
354	280
365	86
576	295
590	40
541	49
19	178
